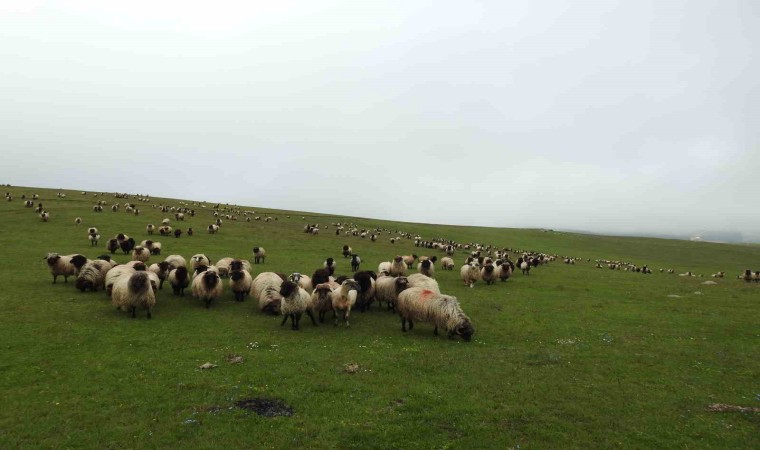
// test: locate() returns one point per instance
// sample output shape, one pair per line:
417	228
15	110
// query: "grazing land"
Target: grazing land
570	356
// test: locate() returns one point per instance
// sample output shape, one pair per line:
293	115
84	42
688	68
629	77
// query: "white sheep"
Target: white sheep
176	261
444	311
398	267
488	274
199	260
295	301
213	228
65	266
304	281
423	281
150	228
93	275
266	290
384	267
525	267
224	266
259	254
78	220
140	253
208	287
162	270
240	283
115	274
387	289
470	273
344	298
45	216
447	263
132	292
426	267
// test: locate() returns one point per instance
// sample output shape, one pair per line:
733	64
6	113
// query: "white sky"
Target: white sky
628	116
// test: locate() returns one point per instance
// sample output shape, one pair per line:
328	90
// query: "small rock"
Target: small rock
674	296
207	365
710	282
351	368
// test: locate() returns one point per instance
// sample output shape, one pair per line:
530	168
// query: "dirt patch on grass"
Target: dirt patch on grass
267	407
720	407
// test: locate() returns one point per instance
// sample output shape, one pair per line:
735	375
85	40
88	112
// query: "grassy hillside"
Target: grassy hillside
568	357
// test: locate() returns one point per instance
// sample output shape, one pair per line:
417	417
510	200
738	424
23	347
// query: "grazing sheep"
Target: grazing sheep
470	274
162	270
423	281
208	287
346	251
176	261
387	290
240	283
132	292
302	280
295	301
330	265
150	228
447	263
488	274
224	266
366	295
343	298
65	266
93	275
444	311
259	254
504	271
199	260
321	302
426	268
266	290
720	274
140	253
398	267
179	279
384	267
355	262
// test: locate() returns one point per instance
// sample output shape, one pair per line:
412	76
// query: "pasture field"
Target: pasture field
570	356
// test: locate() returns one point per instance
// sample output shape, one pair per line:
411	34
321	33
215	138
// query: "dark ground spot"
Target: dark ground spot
267	407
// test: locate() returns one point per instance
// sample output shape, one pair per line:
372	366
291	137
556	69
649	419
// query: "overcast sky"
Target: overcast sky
628	116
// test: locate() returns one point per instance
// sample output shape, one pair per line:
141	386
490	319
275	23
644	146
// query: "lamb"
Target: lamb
179	279
470	274
447	263
295	301
140	253
65	266
388	288
199	260
398	267
259	254
355	262
488	274
150	228
426	268
330	265
132	292
346	251
162	270
423	281
93	275
207	287
504	271
266	290
240	283
443	311
176	261
366	281
321	302
344	298
302	280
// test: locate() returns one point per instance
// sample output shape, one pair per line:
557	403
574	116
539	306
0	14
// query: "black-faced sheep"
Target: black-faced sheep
140	253
426	268
177	233
344	298
65	266
355	262
162	270
320	276
366	281
302	280
295	301
488	274
213	228
398	267
384	267
504	271
444	311
150	228
470	273
387	289
127	245
189	231
132	292
112	245
93	275
259	254
208	287
409	260
179	280
77	220
423	281
240	283
321	302
266	290
330	265
346	251
525	267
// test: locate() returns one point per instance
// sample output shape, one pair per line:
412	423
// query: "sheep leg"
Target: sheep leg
149	315
161	284
403	325
345	316
311	316
55	277
208	302
134	311
284	319
435	331
335	318
296	321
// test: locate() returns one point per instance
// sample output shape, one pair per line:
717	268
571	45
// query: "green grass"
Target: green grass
568	357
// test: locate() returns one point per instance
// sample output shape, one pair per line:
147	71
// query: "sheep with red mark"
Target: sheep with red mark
443	311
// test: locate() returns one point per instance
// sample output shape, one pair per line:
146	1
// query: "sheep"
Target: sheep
384	267
177	233
398	267
176	261
224	266
525	267
720	274
409	260
199	260
302	280
347	251
166	221
366	295
93	275
240	283
207	287
426	268
114	274
295	301
179	216
444	311
189	231
321	302
150	228
320	276
355	262
213	228
504	271
343	298
137	265
77	220
161	269
112	245
387	289
132	292
488	274
165	230
140	253
265	288
747	275
447	263
45	216
65	266
330	265
127	245
179	279
470	274
259	254
423	281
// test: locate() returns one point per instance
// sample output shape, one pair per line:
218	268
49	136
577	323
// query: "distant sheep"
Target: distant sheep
132	292
444	311
525	268
127	245
355	262
295	301
259	254
165	230
94	237
213	228
347	251
387	290
330	265
266	290
150	228
78	220
207	287
470	274
112	245
45	216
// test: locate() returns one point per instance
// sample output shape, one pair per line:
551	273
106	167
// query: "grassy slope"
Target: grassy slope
571	356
